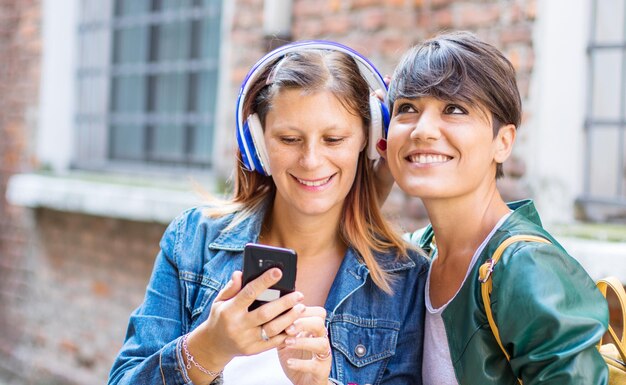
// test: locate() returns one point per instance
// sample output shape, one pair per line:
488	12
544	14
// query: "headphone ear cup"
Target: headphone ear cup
386	118
245	142
376	129
260	158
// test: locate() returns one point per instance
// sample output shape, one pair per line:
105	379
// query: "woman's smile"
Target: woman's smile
313	157
315	184
428	158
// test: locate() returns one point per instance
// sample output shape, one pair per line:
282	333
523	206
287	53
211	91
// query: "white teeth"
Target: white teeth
313	183
430	158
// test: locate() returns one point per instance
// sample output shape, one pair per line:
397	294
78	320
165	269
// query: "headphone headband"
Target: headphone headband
366	68
372	76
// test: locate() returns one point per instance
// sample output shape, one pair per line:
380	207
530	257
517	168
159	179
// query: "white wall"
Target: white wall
224	140
553	136
56	99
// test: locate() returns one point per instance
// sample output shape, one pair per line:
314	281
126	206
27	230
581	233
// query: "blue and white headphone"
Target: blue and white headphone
250	132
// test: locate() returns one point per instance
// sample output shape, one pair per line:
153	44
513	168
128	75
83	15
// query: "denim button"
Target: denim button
360	350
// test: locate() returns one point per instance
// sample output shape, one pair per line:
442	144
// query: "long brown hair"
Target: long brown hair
362	226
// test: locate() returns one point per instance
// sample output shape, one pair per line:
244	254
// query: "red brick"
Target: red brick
442	18
100	288
440	3
521	33
523	83
531	9
68	346
373	20
395	46
309	29
303	9
472	15
514	58
339	24
401	20
357	4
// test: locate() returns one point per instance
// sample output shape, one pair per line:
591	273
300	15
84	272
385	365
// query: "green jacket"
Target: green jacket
547	308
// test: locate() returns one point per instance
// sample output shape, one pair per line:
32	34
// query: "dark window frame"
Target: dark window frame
595	125
96	116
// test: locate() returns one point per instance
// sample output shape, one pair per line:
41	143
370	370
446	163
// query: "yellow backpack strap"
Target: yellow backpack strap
485	271
616	286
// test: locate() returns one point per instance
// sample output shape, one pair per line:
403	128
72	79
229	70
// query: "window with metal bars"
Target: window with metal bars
147	82
604	176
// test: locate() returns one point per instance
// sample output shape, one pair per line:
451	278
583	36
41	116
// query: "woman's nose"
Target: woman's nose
311	156
427	126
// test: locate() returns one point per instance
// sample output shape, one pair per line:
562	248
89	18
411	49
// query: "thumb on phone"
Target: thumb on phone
231	289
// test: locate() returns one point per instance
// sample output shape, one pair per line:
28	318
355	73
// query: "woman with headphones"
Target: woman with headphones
304	181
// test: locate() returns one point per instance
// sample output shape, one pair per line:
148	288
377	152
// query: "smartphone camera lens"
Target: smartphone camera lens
266	264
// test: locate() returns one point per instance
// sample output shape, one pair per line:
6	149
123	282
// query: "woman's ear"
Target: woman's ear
504	142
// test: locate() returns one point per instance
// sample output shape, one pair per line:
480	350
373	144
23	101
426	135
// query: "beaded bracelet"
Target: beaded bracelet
191	360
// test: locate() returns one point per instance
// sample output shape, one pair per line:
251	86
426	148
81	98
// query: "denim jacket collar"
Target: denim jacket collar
236	238
249	229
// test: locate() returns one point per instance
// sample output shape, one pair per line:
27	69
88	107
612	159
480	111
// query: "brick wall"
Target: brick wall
76	283
20	47
84	276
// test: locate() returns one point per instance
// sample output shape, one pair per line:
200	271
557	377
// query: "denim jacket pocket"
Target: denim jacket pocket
199	293
364	341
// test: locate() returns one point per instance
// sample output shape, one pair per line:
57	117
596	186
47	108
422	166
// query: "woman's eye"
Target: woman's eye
288	139
334	139
453	109
406	108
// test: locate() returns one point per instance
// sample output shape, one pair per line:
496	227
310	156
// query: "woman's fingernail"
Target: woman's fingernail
275	273
382	144
291	330
299	308
289	341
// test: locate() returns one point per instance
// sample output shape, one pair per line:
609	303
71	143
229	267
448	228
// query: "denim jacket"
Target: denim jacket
376	338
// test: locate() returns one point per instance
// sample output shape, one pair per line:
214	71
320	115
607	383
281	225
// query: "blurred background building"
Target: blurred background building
114	114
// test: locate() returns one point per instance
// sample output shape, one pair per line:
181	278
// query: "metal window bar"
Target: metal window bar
196	12
592	123
149	69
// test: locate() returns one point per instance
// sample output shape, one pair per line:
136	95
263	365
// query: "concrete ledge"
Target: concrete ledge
599	258
144	203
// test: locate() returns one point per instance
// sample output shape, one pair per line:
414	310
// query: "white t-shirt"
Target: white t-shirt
437	368
260	369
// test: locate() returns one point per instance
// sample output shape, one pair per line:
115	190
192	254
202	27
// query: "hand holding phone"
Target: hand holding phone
258	258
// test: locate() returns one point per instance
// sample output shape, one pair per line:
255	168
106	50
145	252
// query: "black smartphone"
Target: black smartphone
258	258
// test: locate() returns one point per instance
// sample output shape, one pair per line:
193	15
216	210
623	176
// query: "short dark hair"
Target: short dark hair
459	66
